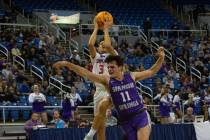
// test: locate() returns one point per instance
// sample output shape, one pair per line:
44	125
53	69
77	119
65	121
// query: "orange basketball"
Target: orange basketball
103	16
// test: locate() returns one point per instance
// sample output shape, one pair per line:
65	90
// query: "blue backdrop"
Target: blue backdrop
159	132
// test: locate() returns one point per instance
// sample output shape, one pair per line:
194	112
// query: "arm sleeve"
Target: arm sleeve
31	98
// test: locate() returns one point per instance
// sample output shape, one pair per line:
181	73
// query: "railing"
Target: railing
195	72
4	108
86	52
4	51
56	83
42	18
167	32
74	44
116	30
59	85
181	63
144	89
167	53
16	27
19	60
38	72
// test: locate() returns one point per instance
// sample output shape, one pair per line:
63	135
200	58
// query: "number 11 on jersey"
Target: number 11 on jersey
125	96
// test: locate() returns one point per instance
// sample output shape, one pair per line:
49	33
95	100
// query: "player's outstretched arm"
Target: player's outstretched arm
107	39
82	72
153	70
92	40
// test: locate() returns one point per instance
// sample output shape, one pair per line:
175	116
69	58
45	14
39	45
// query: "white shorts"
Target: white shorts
98	96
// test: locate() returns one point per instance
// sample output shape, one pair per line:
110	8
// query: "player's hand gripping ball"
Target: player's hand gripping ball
103	17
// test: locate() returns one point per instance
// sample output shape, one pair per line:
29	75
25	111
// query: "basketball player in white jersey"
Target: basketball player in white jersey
101	100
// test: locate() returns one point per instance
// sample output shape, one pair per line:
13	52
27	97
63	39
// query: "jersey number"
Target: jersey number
101	68
125	96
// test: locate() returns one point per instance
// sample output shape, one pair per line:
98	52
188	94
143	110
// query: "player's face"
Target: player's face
113	69
102	48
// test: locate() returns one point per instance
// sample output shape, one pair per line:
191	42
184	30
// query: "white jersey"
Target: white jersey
100	67
36	97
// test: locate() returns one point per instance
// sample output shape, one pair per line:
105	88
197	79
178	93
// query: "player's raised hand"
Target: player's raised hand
161	52
95	24
107	24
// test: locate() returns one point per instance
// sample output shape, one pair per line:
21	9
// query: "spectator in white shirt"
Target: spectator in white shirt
111	120
38	102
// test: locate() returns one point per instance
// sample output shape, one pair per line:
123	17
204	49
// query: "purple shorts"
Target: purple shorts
133	124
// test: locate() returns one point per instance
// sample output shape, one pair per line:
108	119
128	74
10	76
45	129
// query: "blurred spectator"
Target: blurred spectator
189	117
75	56
83	123
177	105
2	94
6	71
59	123
32	124
75	96
110	120
67	108
11	95
147	25
89	99
16	51
79	85
170	83
207	105
59	75
165	105
38	102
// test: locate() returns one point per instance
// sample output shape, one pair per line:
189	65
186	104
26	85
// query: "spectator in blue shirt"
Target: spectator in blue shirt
59	123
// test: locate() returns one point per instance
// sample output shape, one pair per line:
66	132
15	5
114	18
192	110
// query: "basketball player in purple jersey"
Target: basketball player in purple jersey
123	91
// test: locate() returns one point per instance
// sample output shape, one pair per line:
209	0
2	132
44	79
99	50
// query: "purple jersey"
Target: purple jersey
165	106
125	96
67	108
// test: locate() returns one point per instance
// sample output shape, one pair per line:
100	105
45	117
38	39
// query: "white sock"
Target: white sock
92	132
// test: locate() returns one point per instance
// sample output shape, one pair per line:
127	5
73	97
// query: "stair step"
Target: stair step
13	138
15	133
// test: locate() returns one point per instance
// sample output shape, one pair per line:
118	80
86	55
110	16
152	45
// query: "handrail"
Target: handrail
62	87
15	25
57	30
181	63
126	29
74	44
172	30
44	107
4	51
140	85
51	79
144	37
20	61
30	107
86	52
35	71
66	87
195	72
21	25
167	53
167	31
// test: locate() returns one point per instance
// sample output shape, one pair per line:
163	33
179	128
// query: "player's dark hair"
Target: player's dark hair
115	58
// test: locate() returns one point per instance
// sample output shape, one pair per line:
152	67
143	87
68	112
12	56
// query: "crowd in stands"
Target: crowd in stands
42	50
